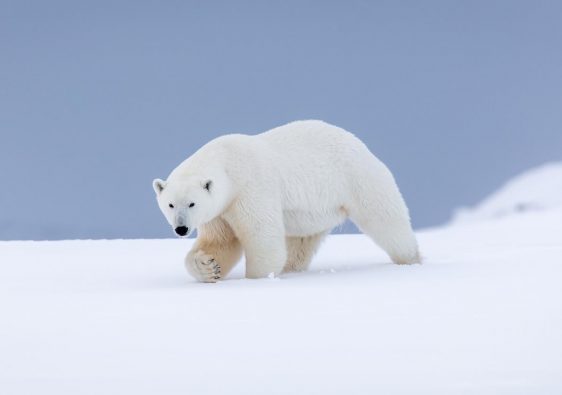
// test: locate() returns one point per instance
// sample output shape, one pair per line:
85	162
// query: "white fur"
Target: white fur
274	196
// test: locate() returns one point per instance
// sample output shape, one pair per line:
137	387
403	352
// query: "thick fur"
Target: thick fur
275	196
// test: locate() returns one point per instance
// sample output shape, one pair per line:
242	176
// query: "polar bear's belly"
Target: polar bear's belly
306	223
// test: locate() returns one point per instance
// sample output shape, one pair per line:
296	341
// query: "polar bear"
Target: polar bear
276	195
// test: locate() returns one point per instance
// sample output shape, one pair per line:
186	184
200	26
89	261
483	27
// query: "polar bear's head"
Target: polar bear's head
188	203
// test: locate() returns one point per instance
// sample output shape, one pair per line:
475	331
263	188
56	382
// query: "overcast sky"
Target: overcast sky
98	98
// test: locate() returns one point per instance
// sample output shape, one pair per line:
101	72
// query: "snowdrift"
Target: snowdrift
535	190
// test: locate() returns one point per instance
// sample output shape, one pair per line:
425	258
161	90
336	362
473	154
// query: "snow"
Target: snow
483	314
536	189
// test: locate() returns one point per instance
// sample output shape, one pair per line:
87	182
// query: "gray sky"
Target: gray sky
98	98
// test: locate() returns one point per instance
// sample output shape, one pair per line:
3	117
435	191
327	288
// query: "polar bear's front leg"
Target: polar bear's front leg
265	256
261	231
215	252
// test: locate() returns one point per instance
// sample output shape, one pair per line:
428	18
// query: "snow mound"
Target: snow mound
537	189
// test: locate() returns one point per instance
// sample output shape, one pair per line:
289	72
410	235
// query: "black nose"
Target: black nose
182	230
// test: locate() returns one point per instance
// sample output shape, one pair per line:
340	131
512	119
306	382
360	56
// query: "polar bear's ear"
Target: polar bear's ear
158	185
207	184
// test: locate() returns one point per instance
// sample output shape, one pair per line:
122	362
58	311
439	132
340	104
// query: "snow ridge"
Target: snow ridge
537	189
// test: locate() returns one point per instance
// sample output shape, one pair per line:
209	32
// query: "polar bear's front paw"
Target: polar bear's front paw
203	267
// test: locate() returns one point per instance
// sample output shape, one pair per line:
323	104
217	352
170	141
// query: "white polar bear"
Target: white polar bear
276	195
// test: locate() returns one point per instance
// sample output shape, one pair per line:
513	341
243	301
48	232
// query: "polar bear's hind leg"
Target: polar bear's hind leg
395	238
391	231
300	251
380	212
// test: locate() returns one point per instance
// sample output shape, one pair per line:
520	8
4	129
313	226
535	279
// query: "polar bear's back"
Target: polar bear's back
310	135
316	159
312	143
319	147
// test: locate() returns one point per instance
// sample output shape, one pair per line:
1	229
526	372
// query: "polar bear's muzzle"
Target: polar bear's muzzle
181	223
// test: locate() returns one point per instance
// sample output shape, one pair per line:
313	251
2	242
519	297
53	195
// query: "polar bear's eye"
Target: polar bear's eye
191	204
171	205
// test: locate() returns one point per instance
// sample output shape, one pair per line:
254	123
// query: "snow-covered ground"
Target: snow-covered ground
482	315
